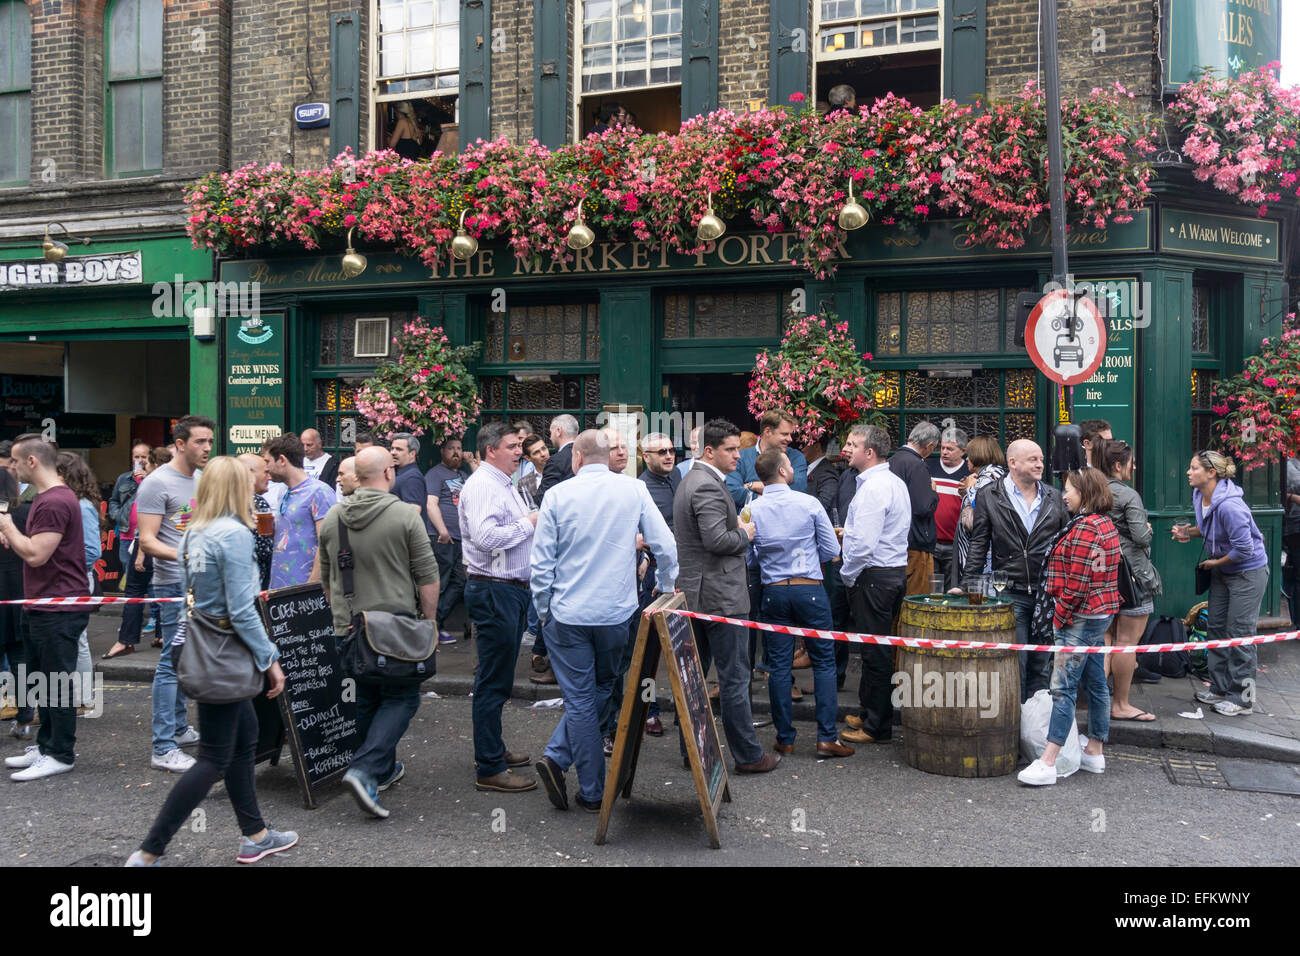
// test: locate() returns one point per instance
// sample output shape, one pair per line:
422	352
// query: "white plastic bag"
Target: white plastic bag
1035	716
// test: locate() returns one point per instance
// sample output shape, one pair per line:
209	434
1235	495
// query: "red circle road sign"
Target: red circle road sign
1064	359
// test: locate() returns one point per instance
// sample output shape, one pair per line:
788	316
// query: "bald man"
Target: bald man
263	543
617	450
348	481
389	548
1015	520
316	461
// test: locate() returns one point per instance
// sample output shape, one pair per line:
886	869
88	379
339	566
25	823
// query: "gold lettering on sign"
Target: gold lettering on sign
1237	28
388	268
760	249
607	260
640	256
912	241
584	260
722	250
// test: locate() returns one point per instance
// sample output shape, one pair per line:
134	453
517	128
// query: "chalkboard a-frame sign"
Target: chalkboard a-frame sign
668	636
320	721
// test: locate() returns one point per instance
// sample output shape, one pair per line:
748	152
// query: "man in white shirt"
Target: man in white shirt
316	461
874	571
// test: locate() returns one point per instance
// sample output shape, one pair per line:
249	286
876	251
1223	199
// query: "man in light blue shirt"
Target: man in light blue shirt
776	430
691	452
792	537
875	572
585	589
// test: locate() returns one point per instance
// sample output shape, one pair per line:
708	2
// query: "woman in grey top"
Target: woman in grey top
1115	459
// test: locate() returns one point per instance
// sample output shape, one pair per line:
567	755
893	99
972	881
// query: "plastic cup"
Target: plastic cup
265	523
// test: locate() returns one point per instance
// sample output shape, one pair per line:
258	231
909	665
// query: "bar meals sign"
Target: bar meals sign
74	272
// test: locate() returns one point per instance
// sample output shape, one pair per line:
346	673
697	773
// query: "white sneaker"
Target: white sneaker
1037	774
45	766
1092	763
24	760
173	761
1229	709
191	736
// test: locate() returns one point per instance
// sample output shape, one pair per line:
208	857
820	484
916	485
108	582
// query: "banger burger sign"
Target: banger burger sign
115	268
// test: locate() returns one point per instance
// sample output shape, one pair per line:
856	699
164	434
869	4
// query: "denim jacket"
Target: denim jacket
223	572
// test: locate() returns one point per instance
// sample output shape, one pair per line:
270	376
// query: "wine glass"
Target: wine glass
999	582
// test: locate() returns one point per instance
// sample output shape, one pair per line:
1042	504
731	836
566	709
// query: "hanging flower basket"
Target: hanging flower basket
1259	410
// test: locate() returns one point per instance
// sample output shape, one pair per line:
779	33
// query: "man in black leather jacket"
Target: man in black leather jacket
1018	517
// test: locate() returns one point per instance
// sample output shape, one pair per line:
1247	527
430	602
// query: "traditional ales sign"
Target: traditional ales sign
1232	36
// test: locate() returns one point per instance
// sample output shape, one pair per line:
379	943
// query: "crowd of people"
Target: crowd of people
553	544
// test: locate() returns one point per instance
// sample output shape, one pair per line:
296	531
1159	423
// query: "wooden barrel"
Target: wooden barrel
960	708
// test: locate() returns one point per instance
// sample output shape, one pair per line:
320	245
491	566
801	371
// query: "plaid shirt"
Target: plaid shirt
1083	570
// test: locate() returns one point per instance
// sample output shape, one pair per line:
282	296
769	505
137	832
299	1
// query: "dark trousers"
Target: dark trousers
876	598
499	612
726	645
841	616
12	650
226	752
609	717
52	638
1035	668
756	614
942	558
137	586
451	576
800	605
1291	576
384	711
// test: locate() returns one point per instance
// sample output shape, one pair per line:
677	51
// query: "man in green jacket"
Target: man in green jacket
389	548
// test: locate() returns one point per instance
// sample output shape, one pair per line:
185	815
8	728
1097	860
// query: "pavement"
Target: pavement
1272	732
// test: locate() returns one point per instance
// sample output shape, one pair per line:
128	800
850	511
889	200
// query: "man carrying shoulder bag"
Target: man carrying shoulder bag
387	547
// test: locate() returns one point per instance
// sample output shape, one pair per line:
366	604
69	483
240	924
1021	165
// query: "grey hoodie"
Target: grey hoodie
389	548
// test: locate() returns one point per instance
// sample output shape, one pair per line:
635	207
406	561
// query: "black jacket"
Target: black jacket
909	466
998	525
845	488
558	467
329	475
824	484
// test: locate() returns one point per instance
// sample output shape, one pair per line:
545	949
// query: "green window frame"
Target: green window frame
1208	304
336	374
133	107
15	93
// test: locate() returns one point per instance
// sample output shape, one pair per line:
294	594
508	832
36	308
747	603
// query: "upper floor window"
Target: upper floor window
417	73
133	71
15	93
876	47
630	56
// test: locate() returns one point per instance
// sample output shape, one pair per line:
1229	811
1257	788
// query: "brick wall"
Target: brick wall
743	53
512	70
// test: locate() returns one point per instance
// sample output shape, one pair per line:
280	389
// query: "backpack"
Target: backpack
1165	630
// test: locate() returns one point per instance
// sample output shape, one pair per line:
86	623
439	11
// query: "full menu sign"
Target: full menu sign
254	381
1231	36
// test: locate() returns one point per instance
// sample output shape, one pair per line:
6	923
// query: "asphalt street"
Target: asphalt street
868	809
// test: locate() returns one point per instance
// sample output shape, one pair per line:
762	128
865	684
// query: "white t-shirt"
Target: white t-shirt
314	466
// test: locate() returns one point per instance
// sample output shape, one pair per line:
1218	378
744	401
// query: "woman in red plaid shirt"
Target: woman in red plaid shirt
1081	574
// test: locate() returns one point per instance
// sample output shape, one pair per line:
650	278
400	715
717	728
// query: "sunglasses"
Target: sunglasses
659	451
284	503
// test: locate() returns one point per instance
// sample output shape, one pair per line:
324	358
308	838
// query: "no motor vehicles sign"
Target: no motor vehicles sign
1064	358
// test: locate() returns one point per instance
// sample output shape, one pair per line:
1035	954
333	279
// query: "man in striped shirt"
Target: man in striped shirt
496	539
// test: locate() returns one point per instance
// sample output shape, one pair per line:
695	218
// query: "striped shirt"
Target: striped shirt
496	535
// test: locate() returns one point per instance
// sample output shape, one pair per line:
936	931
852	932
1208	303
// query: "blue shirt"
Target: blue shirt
1028	514
875	531
90	532
224	575
745	474
584	551
408	484
792	535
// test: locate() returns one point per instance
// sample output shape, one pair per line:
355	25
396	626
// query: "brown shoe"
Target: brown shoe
767	763
506	782
833	748
786	749
517	760
795	693
714	692
541	664
854	721
546	677
860	737
802	661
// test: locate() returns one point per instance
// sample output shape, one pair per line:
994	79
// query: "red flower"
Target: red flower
796	97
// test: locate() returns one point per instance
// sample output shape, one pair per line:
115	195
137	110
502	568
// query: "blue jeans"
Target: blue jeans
800	605
169	720
1073	669
585	659
498	611
383	714
1035	668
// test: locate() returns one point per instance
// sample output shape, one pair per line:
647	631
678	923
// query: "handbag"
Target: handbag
1130	592
215	666
382	647
1203	574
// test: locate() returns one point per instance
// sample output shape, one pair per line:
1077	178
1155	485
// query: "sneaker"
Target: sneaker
398	772
273	842
22	731
173	761
609	745
191	736
1208	697
1229	709
365	794
528	639
1093	763
148	628
29	756
137	859
446	637
44	766
654	727
1037	774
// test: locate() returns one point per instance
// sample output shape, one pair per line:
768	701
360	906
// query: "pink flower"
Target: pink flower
796	97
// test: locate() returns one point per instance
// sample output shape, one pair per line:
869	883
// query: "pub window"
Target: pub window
726	314
543	332
877	47
629	55
133	94
346	354
1201	320
417	71
1001	403
538	398
1207	300
944	321
15	93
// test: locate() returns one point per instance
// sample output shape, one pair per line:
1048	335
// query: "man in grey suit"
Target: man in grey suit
711	548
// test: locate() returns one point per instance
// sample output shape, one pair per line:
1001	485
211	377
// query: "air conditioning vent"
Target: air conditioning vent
371	338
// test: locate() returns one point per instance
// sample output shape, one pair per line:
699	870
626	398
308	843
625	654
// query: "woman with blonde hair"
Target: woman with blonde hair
221	578
1234	555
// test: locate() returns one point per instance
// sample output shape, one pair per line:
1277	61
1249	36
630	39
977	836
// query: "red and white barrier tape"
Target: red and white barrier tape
47	602
987	645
